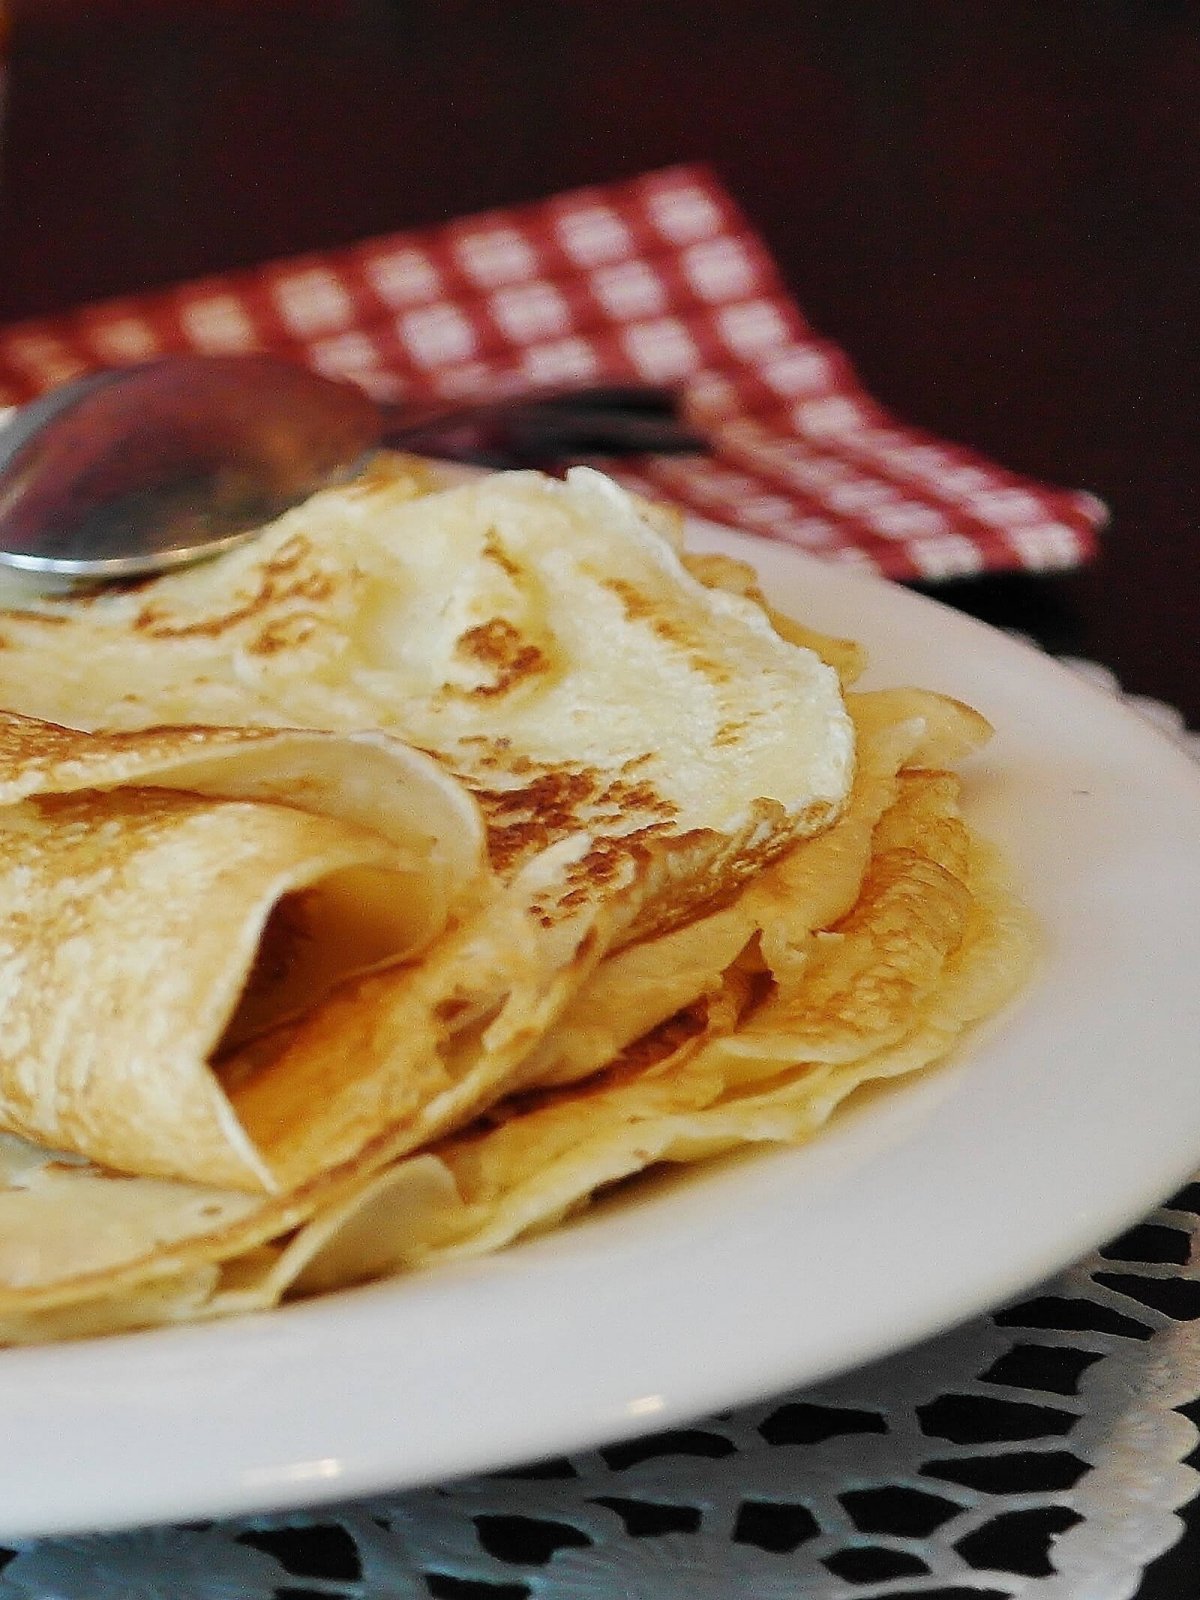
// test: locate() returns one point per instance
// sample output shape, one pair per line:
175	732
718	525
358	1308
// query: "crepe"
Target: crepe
857	956
722	889
639	744
166	897
541	638
860	956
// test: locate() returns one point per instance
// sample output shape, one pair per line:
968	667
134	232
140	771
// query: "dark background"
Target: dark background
994	207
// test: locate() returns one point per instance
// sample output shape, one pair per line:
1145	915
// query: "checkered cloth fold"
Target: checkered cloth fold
659	277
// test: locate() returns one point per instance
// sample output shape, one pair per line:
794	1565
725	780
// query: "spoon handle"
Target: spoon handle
548	423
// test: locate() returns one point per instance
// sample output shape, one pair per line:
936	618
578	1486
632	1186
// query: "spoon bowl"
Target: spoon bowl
136	469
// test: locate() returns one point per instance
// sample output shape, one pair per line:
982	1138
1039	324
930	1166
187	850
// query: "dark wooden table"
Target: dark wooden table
993	208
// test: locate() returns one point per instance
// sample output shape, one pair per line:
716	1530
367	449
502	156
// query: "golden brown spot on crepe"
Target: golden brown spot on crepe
495	552
641	796
637	607
520	822
288	558
663	1041
284	633
671	630
603	862
26	742
51	618
601	869
481	753
501	648
560	801
282	578
450	1009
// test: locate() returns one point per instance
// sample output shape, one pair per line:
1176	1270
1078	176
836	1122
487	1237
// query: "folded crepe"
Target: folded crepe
541	638
639	744
167	897
720	893
859	955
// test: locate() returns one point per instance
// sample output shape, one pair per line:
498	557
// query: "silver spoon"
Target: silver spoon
135	470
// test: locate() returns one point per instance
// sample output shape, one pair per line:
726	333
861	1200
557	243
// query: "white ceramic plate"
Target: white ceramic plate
1065	1120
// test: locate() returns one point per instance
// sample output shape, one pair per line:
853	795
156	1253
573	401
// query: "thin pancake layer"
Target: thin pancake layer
714	1078
640	746
145	927
541	638
871	914
696	935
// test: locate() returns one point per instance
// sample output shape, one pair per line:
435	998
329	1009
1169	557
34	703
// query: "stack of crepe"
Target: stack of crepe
378	893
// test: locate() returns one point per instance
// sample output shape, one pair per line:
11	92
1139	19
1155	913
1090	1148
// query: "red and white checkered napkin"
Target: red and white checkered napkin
659	277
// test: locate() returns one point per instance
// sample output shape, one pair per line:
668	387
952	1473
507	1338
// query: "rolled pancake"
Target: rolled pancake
687	943
655	1023
168	895
888	936
933	941
640	746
